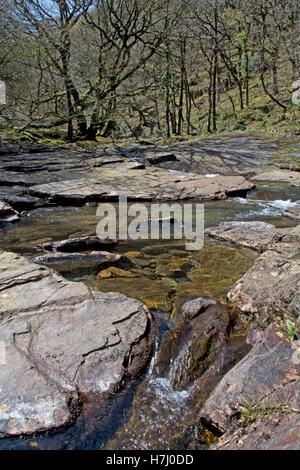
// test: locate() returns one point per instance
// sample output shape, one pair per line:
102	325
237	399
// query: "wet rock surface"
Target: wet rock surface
270	290
78	244
267	378
63	342
74	260
201	346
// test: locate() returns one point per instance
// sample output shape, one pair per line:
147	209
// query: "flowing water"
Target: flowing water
148	414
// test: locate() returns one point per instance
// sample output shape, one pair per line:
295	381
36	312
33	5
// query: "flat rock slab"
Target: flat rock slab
256	235
267	375
7	213
242	155
27	165
270	290
279	176
148	184
62	342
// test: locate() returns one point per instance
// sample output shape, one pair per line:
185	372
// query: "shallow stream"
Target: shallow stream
148	414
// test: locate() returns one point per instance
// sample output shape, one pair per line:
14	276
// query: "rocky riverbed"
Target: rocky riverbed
203	358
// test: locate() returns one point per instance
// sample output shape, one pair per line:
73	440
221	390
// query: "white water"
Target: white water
264	208
161	411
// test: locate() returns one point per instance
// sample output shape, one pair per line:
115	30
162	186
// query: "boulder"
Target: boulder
7	213
202	347
258	236
270	290
256	404
62	343
96	257
78	244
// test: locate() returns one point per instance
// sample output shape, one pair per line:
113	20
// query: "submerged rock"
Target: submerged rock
156	294
7	213
62	343
266	383
115	272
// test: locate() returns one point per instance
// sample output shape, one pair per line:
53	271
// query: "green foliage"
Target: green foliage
290	329
251	412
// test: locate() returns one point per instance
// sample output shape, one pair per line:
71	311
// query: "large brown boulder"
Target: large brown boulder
270	290
203	346
62	342
266	383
